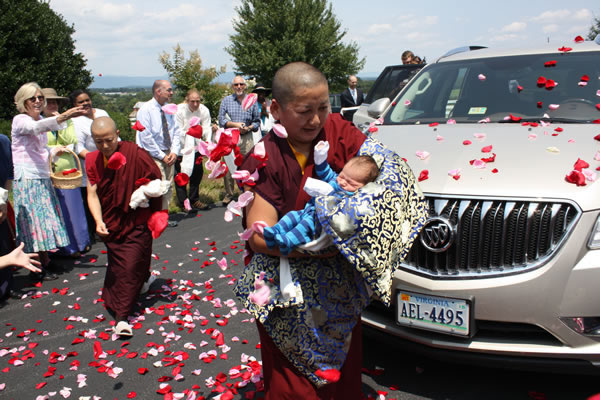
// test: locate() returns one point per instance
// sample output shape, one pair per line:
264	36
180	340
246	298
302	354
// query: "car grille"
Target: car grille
493	237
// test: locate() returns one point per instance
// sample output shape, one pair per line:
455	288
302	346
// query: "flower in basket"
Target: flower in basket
69	171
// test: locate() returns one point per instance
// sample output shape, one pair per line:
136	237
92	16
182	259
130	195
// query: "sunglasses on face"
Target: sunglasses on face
34	98
239	84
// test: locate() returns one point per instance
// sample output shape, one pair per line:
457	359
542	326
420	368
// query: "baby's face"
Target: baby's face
352	178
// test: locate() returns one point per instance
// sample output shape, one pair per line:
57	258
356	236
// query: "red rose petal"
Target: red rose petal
550	63
520	88
576	177
330	375
585	78
578	39
116	161
580	164
434	124
41	385
486	149
141	182
515	118
142	371
550	84
565	49
131	395
138	127
181	179
195	131
423	175
467	142
539	104
157	223
495	171
541	81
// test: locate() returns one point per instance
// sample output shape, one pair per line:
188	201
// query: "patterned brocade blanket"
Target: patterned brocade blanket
373	231
375	228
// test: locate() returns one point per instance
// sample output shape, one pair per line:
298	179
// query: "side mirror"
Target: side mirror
377	108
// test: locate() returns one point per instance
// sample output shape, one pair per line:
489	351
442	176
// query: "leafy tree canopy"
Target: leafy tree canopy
270	34
188	73
594	29
36	45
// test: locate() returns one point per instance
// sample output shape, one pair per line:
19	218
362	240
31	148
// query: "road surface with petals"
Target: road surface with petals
192	340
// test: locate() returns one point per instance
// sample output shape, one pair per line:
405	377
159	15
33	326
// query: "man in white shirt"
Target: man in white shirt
190	160
161	136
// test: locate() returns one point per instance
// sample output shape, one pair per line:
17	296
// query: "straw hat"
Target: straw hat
50	94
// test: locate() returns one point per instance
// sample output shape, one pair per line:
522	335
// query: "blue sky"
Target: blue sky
126	37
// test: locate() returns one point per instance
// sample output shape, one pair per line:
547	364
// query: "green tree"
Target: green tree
594	29
270	34
36	45
188	73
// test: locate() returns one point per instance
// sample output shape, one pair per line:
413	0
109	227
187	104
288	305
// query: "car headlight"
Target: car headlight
589	326
594	242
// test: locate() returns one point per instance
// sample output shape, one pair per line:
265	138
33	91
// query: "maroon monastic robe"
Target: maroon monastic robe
280	183
129	242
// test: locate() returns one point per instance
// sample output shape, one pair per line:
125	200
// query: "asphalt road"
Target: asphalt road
56	341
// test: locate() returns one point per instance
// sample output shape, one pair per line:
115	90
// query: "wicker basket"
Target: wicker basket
70	181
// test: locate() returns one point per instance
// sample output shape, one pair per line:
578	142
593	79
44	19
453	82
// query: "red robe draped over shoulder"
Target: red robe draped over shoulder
114	188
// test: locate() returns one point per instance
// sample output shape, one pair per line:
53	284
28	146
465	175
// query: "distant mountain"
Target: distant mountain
118	81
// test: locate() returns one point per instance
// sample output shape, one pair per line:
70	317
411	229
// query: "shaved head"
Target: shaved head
291	77
105	135
103	124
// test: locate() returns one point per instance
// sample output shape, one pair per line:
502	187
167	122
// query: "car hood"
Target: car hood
531	162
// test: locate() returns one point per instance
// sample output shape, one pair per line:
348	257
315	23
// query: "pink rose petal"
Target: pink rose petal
479	135
245	198
247	234
169	108
407	102
481	77
280	131
479	164
422	154
259	226
553	107
194	121
451	122
186	205
249	101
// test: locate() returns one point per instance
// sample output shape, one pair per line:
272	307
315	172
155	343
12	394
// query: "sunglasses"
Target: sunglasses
34	98
239	84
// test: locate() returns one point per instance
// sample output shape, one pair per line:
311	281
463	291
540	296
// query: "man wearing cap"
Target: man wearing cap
266	119
71	201
233	115
161	136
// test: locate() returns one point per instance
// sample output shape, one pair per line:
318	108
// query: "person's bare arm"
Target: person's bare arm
96	210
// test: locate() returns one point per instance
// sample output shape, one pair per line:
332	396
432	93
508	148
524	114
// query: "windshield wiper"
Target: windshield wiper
551	120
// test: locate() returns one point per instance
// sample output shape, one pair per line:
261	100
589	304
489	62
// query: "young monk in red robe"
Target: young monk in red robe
123	230
292	337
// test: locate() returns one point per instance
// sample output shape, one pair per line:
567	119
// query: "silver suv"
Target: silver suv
506	146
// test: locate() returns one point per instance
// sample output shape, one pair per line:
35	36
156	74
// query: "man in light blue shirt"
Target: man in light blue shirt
161	136
233	115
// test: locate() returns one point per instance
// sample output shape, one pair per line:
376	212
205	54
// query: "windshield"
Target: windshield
561	87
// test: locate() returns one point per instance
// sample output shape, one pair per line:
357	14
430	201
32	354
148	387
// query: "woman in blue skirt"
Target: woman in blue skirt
39	220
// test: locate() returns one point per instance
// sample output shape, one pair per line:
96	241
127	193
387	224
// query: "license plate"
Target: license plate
440	314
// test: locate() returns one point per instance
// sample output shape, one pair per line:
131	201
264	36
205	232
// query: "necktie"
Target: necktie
165	129
354	95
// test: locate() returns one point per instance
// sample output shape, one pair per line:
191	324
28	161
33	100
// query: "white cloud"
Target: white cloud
514	27
377	29
583	14
550	28
552	16
504	37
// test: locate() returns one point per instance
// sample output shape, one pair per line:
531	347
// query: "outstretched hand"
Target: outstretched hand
19	258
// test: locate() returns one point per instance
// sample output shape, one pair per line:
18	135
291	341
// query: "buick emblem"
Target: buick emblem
437	234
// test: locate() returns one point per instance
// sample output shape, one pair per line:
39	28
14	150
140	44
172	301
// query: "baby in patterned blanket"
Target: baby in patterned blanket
299	227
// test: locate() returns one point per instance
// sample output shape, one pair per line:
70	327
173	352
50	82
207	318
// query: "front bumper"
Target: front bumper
517	315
